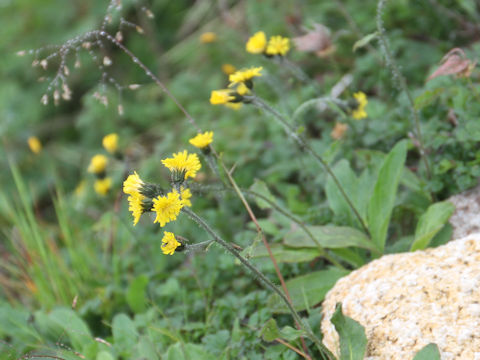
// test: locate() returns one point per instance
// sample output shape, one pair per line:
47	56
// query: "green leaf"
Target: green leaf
431	223
429	352
290	334
104	355
261	188
136	298
125	334
270	331
284	254
365	41
353	341
331	237
427	98
307	290
383	199
179	351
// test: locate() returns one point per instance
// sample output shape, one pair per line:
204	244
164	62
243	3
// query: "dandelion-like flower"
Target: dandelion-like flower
135	205
359	112
228	69
102	186
167	207
110	143
169	243
245	75
183	165
98	163
208	37
34	144
202	140
220	97
278	45
133	184
257	43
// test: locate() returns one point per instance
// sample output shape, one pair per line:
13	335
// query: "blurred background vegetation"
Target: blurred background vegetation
59	241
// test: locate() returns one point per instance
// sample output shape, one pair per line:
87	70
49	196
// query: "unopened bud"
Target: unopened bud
149	14
139	29
21	53
66	70
44	64
119	36
133	86
120	110
44	99
107	61
87	45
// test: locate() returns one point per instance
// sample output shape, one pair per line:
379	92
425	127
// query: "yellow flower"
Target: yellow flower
228	69
186	194
208	37
245	75
242	89
256	44
338	131
202	140
133	185
359	112
110	143
34	144
167	207
102	186
278	45
184	163
135	205
219	97
98	163
169	243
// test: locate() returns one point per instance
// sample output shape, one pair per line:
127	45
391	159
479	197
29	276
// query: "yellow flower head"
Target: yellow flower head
183	163
208	37
202	140
242	89
110	143
167	207
98	163
278	45
234	106
228	69
359	112
219	97
34	144
257	43
133	185
102	186
169	243
186	194
245	75
135	205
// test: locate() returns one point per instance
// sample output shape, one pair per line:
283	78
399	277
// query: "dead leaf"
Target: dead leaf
455	62
317	40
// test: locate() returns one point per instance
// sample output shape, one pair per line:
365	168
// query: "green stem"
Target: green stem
304	145
385	47
265	281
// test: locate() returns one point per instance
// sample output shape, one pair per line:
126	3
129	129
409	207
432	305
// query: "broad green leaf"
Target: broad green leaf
104	355
331	237
383	199
429	352
285	254
307	290
353	341
431	223
290	334
351	256
136	297
270	331
261	188
428	97
365	41
125	334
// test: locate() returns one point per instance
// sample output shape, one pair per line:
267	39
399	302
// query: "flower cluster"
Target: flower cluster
276	46
145	197
361	102
241	84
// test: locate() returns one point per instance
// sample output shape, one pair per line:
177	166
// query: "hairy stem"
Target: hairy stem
402	82
304	145
264	280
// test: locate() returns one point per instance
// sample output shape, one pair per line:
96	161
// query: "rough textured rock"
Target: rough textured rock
466	219
406	301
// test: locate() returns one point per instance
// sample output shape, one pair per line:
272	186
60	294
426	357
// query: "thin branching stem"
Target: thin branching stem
402	82
263	279
304	145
